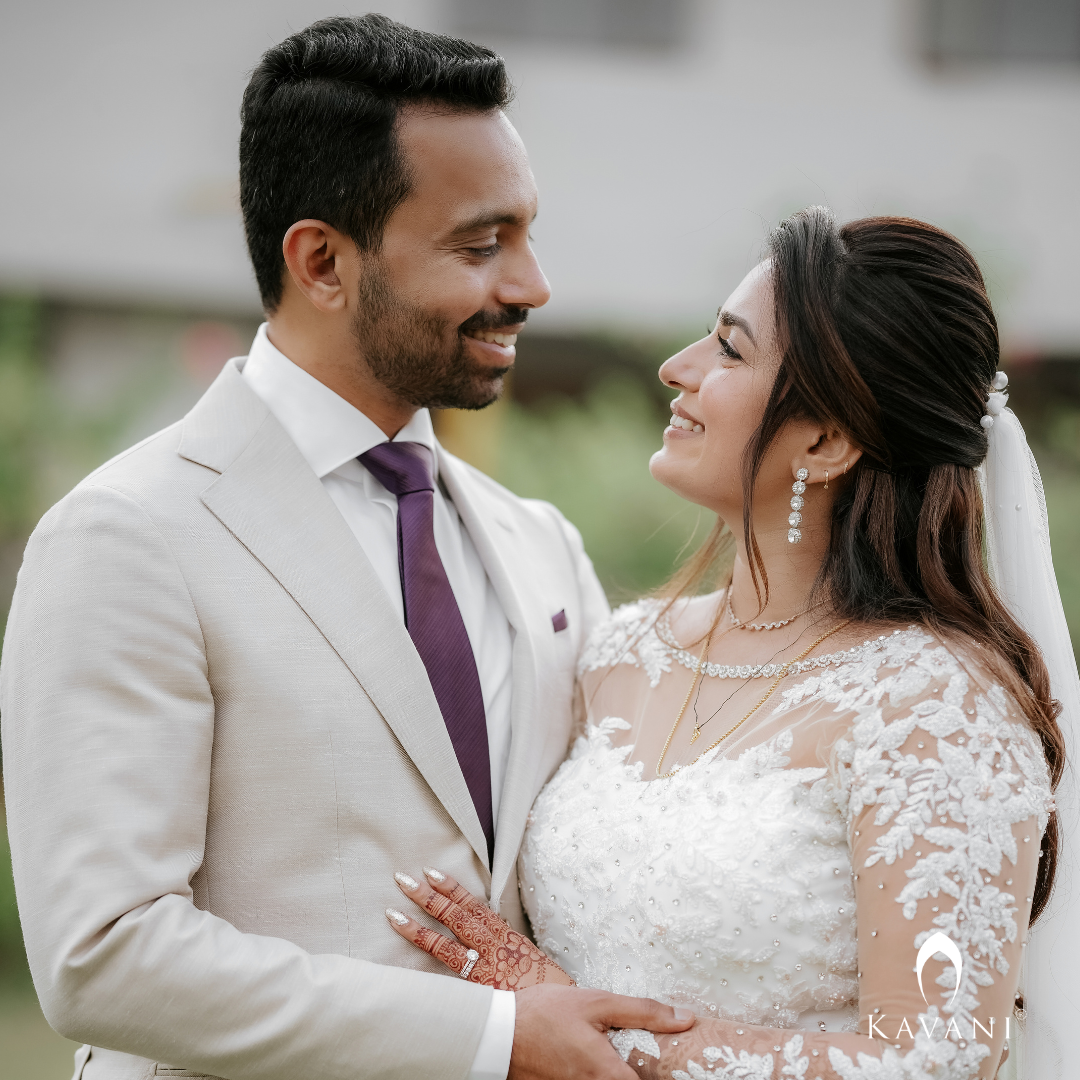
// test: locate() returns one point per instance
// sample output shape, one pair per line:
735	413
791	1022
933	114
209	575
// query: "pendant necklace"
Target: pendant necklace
765	697
699	725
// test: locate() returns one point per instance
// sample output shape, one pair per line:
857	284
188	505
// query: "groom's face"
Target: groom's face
440	305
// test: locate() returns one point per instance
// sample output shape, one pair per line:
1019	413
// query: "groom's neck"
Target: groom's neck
326	350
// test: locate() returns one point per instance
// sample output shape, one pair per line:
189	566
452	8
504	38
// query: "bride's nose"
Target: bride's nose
682	371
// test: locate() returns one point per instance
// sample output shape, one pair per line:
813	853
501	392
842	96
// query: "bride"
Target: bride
816	806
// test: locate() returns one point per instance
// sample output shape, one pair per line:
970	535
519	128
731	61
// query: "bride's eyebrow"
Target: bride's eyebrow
727	318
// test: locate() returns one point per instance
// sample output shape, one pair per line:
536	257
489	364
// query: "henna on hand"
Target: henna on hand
507	959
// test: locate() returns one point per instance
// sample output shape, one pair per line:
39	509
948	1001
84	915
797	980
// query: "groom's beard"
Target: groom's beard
418	356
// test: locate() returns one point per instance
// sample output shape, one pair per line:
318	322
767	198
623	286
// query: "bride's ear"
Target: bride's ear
828	455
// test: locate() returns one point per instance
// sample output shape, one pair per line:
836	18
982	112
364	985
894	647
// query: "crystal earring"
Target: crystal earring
794	534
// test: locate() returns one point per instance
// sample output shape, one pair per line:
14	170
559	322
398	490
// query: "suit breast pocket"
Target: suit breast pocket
188	1074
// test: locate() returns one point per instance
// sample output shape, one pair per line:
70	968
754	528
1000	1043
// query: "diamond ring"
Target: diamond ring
470	962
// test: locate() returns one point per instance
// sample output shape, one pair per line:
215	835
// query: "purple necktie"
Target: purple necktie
433	618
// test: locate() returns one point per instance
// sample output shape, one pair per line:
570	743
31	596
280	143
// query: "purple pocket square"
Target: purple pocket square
559	621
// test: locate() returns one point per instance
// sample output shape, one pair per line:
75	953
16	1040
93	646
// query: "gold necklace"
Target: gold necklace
768	693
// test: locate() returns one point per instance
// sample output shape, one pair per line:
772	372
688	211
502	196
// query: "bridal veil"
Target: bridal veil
1020	563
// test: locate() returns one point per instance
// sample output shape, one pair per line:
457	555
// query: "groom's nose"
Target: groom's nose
523	284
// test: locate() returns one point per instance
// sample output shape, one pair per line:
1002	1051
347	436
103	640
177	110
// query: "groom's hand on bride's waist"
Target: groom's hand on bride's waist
561	1032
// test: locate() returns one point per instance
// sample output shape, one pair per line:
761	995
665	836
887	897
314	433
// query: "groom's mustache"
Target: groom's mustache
488	320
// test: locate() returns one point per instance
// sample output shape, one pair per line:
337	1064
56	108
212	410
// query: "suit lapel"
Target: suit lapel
268	497
533	655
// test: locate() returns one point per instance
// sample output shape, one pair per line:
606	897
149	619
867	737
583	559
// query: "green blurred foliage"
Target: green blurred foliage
14	973
22	415
1055	439
591	459
22	409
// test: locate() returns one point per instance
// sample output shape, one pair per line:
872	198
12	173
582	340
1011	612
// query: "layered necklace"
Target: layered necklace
696	664
783	669
701	667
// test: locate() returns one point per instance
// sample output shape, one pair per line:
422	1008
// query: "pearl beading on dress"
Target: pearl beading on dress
996	400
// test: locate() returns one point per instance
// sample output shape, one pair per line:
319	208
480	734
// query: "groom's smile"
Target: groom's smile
457	248
428	317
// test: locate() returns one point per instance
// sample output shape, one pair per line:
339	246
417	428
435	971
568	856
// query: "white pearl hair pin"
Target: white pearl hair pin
996	400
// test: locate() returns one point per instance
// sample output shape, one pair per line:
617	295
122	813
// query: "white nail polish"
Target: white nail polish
406	882
396	916
436	875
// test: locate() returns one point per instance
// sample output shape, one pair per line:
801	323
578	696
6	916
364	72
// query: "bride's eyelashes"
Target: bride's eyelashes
727	348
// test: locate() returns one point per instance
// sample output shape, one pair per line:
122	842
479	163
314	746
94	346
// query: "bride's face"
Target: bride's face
724	382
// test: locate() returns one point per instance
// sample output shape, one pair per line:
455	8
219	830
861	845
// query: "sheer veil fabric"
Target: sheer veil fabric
1020	562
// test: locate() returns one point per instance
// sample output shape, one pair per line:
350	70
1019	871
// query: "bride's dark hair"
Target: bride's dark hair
886	332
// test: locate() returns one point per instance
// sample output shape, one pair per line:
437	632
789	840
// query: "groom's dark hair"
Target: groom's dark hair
318	120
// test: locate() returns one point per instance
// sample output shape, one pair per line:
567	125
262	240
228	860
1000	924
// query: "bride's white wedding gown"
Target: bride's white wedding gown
787	881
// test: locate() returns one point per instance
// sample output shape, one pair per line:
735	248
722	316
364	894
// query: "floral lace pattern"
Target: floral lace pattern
725	1062
626	1040
628	638
937	1059
732	886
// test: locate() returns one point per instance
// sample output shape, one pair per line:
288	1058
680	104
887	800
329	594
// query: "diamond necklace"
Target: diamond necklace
785	668
740	625
662	630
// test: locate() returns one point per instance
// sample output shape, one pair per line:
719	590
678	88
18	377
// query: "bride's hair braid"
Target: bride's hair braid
886	332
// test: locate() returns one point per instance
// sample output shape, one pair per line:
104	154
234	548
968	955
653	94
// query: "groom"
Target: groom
289	645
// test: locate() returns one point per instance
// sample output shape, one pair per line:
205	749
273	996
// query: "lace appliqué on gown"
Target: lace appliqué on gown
626	1040
723	1062
729	886
628	638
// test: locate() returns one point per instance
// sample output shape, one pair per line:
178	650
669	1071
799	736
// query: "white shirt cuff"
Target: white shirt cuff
492	1061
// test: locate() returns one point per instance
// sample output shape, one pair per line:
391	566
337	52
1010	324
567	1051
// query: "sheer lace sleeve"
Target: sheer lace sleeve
947	799
945	793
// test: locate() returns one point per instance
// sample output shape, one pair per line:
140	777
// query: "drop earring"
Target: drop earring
826	479
794	534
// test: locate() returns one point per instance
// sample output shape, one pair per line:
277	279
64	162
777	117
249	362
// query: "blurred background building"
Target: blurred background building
667	138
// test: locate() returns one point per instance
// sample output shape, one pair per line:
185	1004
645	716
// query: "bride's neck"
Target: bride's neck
791	569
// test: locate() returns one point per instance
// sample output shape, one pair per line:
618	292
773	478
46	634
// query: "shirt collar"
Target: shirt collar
326	429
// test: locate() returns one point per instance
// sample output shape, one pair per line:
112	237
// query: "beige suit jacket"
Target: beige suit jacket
219	743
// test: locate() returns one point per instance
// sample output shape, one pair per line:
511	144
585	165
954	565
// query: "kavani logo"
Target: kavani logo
936	944
939	943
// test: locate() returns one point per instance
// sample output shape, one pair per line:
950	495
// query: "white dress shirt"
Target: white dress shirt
331	434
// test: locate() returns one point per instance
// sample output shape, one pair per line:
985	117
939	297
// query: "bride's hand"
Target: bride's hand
507	960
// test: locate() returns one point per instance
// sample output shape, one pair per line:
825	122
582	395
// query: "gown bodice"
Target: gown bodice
726	888
756	890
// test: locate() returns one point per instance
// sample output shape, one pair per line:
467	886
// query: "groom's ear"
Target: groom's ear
321	262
